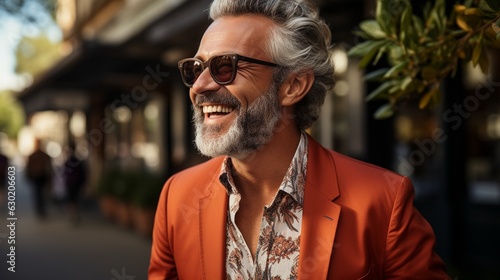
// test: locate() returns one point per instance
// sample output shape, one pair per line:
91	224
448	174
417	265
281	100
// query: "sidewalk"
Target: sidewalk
55	249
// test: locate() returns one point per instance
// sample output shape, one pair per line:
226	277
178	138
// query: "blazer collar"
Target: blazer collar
320	215
321	170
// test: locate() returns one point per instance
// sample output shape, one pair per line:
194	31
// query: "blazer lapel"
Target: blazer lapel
320	216
212	227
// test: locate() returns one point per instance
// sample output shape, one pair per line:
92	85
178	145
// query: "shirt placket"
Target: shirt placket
235	202
268	221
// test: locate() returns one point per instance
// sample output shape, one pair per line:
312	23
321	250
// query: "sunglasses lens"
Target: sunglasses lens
222	69
191	70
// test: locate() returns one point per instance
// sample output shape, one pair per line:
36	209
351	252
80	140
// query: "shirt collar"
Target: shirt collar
294	181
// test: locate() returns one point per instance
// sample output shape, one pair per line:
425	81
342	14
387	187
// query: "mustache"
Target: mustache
217	97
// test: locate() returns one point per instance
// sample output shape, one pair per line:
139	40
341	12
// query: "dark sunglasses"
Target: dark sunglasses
222	68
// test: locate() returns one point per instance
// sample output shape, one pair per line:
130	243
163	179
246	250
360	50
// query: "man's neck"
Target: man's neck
261	174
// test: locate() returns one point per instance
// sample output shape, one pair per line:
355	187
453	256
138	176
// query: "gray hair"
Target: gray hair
301	42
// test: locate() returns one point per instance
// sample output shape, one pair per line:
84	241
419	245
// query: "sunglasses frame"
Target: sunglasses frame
234	60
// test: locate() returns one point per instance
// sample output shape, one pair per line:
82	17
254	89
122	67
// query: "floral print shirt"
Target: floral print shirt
277	254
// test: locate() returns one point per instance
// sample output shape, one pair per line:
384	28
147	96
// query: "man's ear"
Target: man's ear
295	87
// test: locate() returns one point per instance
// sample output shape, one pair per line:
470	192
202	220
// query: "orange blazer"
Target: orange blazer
358	223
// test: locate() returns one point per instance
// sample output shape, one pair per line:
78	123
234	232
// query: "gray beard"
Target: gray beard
251	130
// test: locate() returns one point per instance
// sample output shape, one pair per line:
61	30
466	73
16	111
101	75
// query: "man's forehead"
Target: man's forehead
214	42
214	37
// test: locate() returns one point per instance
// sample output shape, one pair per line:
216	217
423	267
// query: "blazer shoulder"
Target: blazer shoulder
352	172
194	178
345	166
344	161
336	174
208	167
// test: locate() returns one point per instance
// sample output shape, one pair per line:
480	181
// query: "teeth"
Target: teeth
217	109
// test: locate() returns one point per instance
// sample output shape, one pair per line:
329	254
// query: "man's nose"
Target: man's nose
204	83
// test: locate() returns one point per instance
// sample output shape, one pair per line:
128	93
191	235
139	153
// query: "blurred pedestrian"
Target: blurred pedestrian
74	176
39	173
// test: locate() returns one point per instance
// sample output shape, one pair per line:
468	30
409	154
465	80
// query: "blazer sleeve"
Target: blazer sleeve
162	263
410	241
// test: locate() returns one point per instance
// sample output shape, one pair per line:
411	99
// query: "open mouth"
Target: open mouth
217	110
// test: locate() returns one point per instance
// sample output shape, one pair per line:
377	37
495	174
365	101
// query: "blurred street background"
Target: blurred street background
56	248
93	86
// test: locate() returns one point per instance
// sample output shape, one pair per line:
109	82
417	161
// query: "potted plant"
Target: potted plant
106	195
144	201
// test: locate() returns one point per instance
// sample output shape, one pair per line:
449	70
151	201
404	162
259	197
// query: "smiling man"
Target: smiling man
273	203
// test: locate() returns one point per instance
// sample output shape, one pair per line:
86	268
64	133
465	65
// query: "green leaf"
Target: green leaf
383	17
380	52
427	9
458	33
440	7
396	88
380	91
376	75
494	4
406	18
384	112
360	33
379	11
367	51
418	25
438	16
485	8
365	48
416	85
367	58
395	54
396	69
487	11
496	27
386	27
478	49
372	29
405	83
